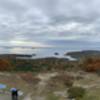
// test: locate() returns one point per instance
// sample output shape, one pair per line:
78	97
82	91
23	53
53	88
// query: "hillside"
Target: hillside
82	54
14	56
51	78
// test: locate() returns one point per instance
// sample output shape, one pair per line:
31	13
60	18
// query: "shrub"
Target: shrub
23	66
76	92
91	64
5	65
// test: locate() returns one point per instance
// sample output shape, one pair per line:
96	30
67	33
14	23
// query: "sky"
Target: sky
49	23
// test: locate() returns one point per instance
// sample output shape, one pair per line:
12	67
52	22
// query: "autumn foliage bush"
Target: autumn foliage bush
91	64
5	65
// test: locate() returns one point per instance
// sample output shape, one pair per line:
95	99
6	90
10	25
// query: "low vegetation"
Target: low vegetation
91	64
76	92
35	65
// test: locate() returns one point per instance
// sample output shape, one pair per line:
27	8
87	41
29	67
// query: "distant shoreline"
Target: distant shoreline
73	55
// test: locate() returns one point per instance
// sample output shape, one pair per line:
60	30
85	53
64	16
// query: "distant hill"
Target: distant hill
86	53
14	56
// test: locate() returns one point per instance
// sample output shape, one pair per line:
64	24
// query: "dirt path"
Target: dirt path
28	97
44	78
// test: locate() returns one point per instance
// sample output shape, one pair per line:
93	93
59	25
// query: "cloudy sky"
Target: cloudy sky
40	23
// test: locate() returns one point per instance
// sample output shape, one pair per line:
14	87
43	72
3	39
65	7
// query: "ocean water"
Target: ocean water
50	52
60	47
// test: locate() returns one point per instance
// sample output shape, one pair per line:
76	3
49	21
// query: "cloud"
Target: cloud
40	21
